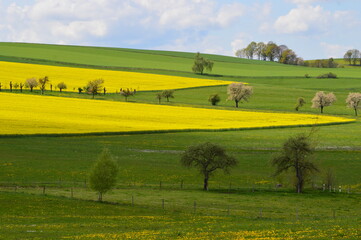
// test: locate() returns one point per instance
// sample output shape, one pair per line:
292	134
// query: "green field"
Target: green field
168	202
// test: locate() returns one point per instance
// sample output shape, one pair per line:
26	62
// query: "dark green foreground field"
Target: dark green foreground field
45	195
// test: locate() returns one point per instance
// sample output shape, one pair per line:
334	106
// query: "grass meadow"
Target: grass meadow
44	192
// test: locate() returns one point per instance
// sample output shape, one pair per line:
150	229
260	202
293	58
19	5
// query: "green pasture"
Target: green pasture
27	216
135	60
168	202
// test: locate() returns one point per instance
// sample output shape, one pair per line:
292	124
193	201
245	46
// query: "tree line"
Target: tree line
270	52
353	57
281	53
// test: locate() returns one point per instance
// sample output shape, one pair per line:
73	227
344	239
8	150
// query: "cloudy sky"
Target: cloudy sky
312	28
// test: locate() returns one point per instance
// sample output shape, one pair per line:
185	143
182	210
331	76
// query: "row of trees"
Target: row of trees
270	51
32	83
295	156
207	158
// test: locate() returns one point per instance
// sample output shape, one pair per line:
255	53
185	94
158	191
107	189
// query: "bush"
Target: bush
307	76
327	75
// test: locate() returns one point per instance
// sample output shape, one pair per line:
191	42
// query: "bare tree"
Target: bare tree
61	86
354	101
295	155
42	82
239	92
31	83
159	96
321	100
94	87
126	93
300	102
207	158
168	94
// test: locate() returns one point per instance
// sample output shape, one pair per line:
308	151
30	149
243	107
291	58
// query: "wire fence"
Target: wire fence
162	198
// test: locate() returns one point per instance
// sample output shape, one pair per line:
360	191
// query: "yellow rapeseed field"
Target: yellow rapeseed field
114	80
30	114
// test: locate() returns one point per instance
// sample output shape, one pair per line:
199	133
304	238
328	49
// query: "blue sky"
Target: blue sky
312	28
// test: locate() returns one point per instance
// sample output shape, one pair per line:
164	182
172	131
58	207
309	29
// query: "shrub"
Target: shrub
327	75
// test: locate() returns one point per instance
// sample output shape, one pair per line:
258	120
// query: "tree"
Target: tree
207	158
159	96
201	64
61	86
347	56
103	175
261	51
272	51
126	93
168	94
251	50
214	99
295	155
31	83
355	56
94	87
80	90
42	82
321	100
239	92
354	101
300	102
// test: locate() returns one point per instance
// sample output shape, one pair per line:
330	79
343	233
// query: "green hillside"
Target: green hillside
44	188
152	60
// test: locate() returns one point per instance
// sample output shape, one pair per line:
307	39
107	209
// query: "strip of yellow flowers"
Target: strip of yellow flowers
113	80
29	114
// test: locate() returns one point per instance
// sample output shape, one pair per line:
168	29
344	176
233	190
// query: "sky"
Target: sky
314	29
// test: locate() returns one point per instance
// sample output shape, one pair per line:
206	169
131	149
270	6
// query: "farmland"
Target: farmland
44	190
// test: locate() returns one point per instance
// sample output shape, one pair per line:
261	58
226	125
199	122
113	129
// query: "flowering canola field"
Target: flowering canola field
30	114
114	80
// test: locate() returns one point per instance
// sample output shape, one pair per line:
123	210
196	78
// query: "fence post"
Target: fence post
260	213
160	185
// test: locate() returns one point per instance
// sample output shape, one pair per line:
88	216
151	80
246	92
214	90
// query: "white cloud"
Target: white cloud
69	21
307	2
334	50
303	19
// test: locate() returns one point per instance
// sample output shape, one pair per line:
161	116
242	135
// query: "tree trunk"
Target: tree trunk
355	111
205	185
321	109
236	103
100	197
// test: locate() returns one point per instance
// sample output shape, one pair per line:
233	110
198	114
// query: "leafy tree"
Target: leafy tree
355	56
272	51
103	175
16	86
300	102
61	86
354	101
159	96
214	99
261	51
126	93
347	56
201	64
295	155
321	100
31	83
42	82
239	92
80	90
207	158
94	87
168	94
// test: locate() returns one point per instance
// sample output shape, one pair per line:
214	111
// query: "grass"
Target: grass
153	60
148	160
27	216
